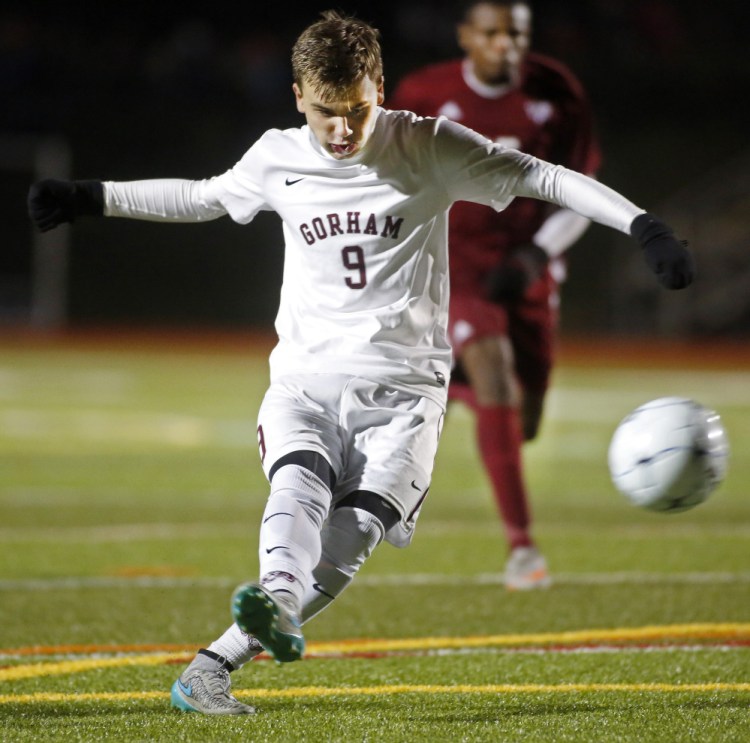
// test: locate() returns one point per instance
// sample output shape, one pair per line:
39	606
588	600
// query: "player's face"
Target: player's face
342	125
496	40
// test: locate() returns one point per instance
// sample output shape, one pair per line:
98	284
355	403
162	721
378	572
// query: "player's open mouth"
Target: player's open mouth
347	148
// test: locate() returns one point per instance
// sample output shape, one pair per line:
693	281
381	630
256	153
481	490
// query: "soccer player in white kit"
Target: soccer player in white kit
349	427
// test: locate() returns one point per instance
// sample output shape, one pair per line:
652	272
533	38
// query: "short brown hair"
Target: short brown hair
335	53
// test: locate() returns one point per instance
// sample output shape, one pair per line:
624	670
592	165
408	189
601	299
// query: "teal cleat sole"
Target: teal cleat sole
258	614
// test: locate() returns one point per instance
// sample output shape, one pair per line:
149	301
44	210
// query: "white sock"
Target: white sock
290	531
236	646
348	539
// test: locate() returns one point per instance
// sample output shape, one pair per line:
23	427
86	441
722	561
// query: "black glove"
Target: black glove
668	257
52	202
521	268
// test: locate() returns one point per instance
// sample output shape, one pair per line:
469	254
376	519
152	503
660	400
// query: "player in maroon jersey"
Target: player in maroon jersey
505	266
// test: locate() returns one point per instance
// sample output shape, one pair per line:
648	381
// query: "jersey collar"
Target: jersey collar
480	88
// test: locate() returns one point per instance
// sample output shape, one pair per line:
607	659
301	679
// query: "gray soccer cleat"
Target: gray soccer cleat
204	687
271	617
526	570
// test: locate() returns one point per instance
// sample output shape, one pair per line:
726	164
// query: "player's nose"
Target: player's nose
341	127
502	42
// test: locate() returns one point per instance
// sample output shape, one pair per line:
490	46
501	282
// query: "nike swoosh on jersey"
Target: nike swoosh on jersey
270	550
415	486
292	181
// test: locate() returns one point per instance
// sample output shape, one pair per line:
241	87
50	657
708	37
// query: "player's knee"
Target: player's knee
489	366
349	538
309	460
375	504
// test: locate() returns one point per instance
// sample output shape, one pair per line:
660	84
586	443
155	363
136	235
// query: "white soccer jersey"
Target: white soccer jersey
365	286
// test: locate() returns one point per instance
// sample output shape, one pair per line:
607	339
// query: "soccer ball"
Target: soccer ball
669	454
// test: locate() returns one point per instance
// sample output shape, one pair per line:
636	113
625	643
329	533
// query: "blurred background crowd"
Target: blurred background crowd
164	89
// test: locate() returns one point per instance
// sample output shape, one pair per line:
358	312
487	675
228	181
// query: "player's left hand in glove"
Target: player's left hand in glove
668	257
521	268
52	202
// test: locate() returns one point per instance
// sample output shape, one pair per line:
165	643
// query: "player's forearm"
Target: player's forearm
161	200
559	231
577	192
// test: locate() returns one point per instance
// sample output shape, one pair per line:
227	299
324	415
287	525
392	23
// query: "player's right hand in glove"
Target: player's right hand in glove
52	202
668	257
521	268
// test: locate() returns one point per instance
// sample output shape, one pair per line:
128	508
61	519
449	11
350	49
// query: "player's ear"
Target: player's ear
298	98
381	91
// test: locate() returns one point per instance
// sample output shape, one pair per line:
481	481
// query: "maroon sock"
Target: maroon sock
500	439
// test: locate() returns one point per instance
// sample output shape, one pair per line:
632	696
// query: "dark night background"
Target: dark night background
166	89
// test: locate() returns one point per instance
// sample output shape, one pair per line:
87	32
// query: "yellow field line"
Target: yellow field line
679	632
36	670
349	691
485	689
99	649
725	631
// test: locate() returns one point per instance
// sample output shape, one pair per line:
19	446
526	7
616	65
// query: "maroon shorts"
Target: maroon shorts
530	324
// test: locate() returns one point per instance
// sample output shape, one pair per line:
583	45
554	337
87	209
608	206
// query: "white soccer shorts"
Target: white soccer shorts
376	437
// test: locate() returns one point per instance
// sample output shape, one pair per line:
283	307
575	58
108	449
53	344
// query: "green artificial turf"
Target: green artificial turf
130	495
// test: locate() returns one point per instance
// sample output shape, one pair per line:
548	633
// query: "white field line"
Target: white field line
409	579
603	406
429	530
125	426
125	533
106	385
181	429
